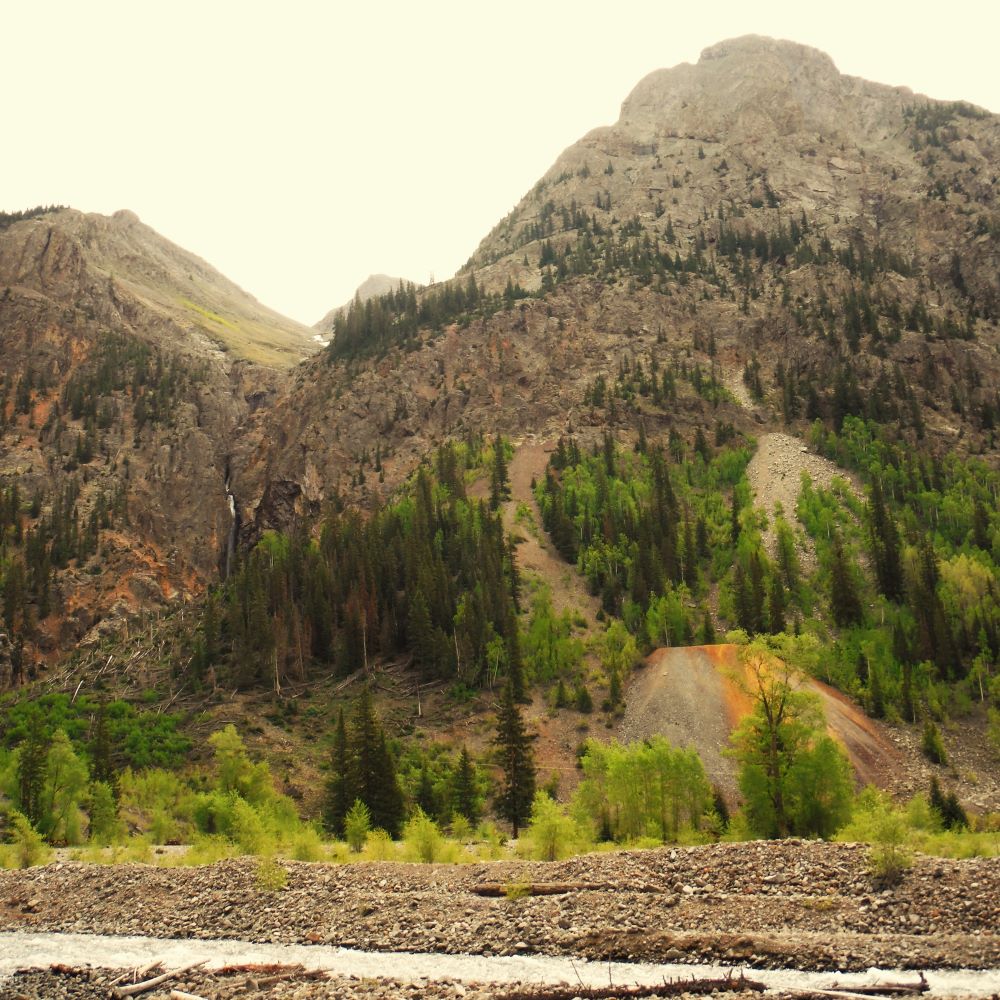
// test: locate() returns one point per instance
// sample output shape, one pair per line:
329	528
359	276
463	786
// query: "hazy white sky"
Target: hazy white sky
300	146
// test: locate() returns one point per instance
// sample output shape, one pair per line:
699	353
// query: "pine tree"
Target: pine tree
707	629
373	770
102	767
776	605
425	799
499	481
31	769
734	519
339	789
464	795
885	545
845	604
516	761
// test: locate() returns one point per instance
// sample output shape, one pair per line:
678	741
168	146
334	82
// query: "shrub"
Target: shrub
422	838
380	846
105	827
271	877
357	825
307	845
551	834
460	828
248	829
888	858
932	745
29	847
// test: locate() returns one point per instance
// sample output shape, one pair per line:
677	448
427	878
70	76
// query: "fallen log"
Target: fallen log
150	984
677	987
500	889
886	989
860	992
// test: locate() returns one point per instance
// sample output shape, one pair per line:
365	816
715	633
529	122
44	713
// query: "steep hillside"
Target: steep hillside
759	247
761	259
128	366
756	209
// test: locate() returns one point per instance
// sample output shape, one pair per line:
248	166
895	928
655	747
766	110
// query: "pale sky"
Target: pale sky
301	146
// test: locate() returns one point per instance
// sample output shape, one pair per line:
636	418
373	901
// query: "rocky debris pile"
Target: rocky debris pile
767	904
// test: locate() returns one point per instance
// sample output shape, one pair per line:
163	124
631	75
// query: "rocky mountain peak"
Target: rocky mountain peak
739	88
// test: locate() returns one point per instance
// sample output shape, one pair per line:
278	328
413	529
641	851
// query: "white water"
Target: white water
19	950
231	537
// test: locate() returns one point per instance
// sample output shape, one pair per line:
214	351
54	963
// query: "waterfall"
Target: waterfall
233	522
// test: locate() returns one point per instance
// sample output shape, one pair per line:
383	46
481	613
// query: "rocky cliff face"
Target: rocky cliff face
756	208
759	210
129	365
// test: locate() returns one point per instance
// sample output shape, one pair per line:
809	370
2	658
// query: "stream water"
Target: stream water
233	524
20	950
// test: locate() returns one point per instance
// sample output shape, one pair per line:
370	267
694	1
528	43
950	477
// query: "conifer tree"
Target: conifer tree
425	799
845	604
776	605
885	545
516	761
499	481
339	790
707	629
372	769
734	518
464	796
102	767
31	769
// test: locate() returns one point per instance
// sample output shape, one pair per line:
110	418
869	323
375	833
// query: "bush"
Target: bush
357	826
29	847
551	834
460	828
932	745
888	859
307	845
105	827
380	846
248	829
422	838
271	877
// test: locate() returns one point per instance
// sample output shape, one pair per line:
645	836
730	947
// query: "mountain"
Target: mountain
372	287
744	204
129	365
764	269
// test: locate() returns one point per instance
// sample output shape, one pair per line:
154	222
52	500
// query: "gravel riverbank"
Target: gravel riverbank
791	904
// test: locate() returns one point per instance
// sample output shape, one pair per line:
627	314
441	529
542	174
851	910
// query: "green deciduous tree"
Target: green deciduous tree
795	780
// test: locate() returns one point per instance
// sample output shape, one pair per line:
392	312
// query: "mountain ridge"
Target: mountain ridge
742	252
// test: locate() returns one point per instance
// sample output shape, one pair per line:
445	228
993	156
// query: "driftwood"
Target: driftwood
673	988
864	992
886	989
149	984
498	889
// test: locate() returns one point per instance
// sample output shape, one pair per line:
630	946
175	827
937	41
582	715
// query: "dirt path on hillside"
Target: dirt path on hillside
535	553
